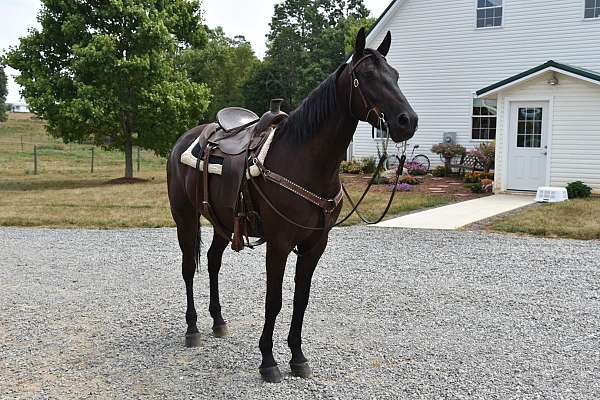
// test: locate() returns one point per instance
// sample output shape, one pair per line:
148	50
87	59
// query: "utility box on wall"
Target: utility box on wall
449	138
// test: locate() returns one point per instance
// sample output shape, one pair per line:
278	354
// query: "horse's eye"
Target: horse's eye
369	74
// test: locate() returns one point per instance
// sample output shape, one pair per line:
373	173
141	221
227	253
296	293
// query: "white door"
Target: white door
527	145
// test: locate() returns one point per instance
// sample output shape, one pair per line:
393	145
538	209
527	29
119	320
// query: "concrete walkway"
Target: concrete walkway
457	215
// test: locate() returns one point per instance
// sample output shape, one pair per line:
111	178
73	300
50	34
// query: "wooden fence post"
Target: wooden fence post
92	171
35	166
138	159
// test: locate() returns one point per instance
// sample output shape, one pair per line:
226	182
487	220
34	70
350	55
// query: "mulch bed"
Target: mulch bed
452	186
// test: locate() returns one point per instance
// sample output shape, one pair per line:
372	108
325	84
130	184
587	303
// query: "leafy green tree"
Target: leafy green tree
224	65
3	94
352	26
261	87
106	71
307	42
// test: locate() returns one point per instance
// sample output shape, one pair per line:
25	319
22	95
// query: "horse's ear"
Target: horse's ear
384	47
361	42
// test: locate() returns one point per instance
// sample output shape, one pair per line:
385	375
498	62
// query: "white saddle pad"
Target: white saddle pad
189	159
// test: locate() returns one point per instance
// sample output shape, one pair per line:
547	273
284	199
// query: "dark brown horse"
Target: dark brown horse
308	149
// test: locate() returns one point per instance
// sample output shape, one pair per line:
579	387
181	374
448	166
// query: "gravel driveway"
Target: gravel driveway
393	314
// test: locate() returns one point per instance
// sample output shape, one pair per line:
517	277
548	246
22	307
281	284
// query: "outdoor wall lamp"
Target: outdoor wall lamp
553	81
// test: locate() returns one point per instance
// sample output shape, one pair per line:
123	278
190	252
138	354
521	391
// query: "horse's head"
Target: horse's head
374	93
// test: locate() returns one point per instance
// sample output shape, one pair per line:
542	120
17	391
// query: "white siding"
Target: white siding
575	137
442	58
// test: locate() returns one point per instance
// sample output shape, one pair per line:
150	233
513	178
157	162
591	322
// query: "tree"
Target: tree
261	87
224	65
352	26
307	42
107	72
3	94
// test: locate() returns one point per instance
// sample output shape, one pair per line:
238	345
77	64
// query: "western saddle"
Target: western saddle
234	142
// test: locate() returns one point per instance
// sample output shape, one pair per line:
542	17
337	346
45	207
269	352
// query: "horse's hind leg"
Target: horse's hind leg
187	229
215	256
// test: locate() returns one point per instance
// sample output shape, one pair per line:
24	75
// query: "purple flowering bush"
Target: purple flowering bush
401	187
415	168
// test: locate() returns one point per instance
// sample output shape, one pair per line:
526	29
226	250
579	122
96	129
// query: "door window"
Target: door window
529	127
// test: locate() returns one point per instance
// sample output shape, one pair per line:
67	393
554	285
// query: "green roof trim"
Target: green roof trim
549	64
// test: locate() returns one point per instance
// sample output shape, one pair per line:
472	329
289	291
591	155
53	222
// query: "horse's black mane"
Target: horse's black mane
305	120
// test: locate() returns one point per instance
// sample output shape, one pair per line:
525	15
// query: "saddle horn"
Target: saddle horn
272	117
276	105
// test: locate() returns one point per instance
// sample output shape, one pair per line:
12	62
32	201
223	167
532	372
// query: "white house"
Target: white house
19	108
518	72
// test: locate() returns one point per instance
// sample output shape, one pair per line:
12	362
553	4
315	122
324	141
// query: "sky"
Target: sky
248	18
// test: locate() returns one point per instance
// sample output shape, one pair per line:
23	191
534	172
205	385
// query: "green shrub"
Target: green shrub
368	165
409	179
344	167
350	167
476	187
440	171
475	177
578	189
471	177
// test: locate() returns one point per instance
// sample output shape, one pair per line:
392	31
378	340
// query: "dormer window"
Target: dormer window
489	13
592	8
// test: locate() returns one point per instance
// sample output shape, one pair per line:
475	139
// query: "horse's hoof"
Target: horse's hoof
220	331
271	374
192	340
301	370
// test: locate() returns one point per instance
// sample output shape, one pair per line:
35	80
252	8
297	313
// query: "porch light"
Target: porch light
553	81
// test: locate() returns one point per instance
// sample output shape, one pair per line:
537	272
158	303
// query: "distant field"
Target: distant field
66	194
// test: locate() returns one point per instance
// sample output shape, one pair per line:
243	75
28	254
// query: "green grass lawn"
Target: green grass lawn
65	193
575	219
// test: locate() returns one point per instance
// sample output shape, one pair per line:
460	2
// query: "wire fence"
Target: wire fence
38	155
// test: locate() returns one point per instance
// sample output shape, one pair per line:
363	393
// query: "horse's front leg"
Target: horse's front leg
305	267
276	258
215	258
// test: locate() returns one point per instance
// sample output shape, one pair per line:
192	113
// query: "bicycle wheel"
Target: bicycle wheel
423	160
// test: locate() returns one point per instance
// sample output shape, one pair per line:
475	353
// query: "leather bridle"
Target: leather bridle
355	84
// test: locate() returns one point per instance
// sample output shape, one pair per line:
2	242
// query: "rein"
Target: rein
376	174
329	206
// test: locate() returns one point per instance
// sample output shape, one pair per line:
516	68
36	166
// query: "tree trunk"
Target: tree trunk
128	159
448	163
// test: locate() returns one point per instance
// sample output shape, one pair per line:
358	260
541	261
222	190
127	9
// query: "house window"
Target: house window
484	119
489	13
592	8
